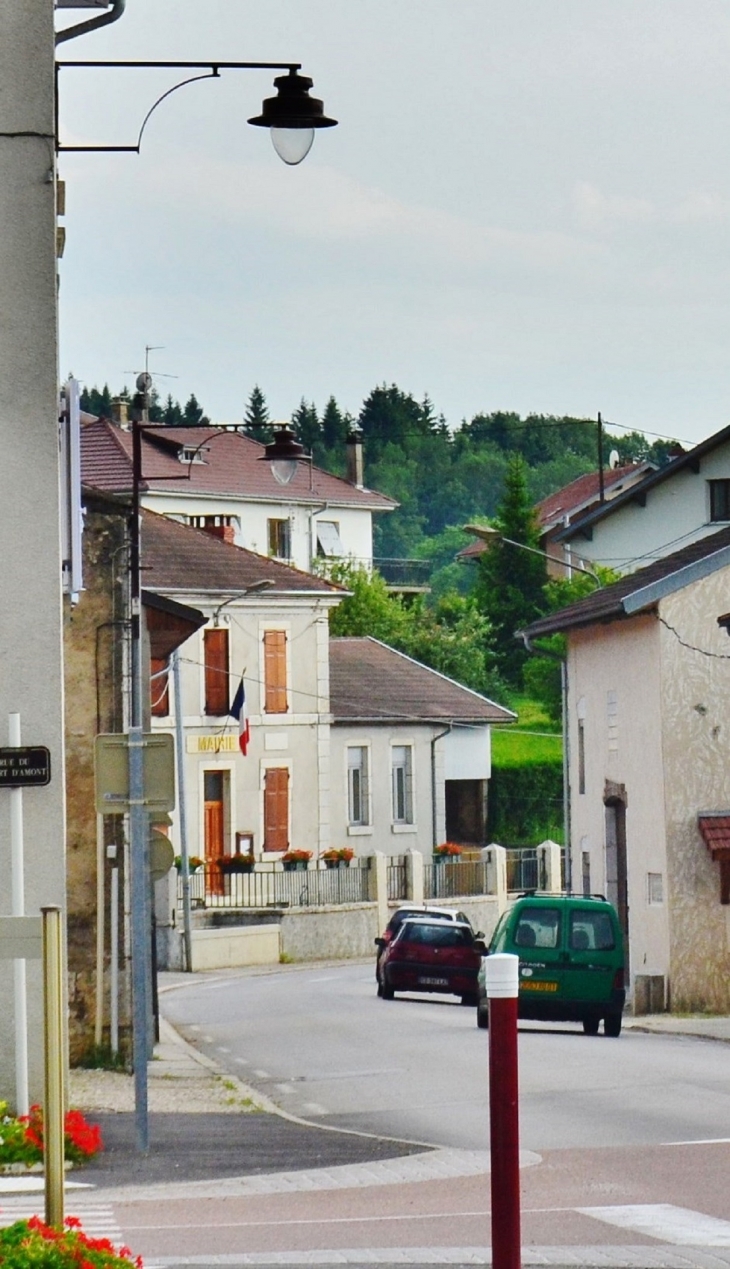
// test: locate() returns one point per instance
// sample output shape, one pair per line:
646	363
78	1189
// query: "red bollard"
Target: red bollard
502	971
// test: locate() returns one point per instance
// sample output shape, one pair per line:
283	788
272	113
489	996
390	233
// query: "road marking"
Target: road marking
284	1088
668	1224
208	1039
317	1220
98	1220
222	1050
707	1141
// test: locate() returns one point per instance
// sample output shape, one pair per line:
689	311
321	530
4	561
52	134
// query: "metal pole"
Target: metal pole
184	856
17	870
601	489
53	1125
502	972
566	774
99	1018
138	824
114	970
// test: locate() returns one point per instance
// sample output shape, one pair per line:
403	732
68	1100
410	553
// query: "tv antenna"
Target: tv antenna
148	348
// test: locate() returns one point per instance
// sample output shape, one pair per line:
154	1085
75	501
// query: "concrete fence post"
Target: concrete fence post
414	876
495	857
548	867
378	887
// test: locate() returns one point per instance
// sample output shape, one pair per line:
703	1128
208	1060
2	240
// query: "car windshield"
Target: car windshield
445	934
591	932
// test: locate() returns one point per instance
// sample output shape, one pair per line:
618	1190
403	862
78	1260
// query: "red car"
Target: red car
432	956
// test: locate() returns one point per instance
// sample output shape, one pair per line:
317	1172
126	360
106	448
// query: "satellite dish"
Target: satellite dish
614	459
144	382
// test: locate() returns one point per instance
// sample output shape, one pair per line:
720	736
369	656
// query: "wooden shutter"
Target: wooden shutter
215	645
276	808
159	688
275	671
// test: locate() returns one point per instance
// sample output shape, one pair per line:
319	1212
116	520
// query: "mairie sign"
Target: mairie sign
212	744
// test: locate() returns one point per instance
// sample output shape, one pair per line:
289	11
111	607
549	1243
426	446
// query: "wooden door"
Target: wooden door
213	828
276	808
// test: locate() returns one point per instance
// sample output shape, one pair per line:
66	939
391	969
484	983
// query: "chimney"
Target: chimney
354	457
119	413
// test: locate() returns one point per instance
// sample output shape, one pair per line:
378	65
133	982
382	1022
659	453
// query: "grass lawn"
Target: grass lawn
533	740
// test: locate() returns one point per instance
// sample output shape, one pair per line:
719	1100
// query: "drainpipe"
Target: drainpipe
555	656
92	24
440	736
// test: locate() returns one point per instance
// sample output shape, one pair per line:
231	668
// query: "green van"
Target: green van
571	960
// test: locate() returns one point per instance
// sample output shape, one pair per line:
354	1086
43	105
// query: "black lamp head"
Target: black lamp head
292	115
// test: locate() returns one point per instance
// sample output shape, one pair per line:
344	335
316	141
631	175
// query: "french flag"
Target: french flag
238	710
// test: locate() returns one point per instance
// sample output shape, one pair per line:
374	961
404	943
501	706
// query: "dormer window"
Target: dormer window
190	454
719	500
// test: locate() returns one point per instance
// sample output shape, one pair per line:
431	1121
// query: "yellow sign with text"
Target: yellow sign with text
212	744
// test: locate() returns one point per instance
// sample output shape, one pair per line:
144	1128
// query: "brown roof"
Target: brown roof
641	590
176	557
227	464
584	492
371	682
715	830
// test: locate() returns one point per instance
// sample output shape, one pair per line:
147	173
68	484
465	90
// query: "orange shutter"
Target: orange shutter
215	644
159	688
275	671
276	808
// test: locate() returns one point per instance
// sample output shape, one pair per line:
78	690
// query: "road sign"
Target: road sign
162	855
111	769
24	766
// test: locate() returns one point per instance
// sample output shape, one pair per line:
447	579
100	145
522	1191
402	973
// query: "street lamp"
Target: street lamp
284	454
292	115
262	584
489	534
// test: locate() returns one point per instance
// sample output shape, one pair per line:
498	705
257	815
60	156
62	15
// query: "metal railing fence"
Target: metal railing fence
271	886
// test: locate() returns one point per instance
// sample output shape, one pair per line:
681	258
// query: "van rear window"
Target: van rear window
538	927
591	932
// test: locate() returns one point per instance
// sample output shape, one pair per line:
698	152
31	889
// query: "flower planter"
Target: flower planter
335	863
295	865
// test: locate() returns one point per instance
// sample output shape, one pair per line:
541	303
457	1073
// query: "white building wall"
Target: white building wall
615	686
31	681
381	833
252	522
677	512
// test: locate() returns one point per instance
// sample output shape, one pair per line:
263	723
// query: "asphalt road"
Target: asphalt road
321	1045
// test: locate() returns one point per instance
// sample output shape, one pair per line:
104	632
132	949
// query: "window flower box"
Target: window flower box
338	858
236	863
296	860
447	852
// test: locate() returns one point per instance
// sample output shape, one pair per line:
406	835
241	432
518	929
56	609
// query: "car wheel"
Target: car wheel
483	1015
380	988
590	1025
612	1024
470	998
386	990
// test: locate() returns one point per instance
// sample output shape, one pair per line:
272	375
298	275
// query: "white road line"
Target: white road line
676	1225
284	1088
222	1050
207	1039
98	1221
241	1061
707	1141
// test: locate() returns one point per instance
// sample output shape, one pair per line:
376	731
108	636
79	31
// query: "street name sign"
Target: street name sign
24	766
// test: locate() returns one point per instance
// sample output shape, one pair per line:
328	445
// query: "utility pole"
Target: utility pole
31	655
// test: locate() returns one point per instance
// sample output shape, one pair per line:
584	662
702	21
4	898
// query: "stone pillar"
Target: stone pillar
548	867
378	887
414	876
31	675
495	857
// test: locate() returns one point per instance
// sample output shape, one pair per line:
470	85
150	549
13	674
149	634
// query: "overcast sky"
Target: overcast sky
525	206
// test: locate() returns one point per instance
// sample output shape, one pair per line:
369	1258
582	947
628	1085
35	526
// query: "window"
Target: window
276	808
275	701
358	792
328	538
280	539
654	888
401	759
215	660
585	856
538	927
590	932
159	687
719	499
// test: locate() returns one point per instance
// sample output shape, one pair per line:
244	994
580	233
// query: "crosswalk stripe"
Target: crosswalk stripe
678	1226
98	1220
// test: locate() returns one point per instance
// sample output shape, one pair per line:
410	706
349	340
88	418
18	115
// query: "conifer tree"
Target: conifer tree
256	419
511	580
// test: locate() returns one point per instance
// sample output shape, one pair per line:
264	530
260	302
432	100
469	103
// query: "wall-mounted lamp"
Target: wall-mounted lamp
292	115
284	453
264	583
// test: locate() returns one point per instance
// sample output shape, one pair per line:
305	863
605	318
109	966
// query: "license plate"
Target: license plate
530	984
434	982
